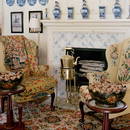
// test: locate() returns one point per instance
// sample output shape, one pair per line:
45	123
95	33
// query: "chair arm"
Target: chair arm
84	93
97	76
43	69
39	70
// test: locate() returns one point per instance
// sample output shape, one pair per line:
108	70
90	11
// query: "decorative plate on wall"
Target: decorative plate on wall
21	2
32	2
43	2
10	2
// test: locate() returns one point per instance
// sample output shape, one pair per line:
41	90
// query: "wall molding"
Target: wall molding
103	25
89	23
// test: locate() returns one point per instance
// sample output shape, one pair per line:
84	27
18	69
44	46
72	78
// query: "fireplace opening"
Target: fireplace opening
91	59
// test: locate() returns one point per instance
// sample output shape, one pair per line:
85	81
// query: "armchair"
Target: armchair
118	71
20	53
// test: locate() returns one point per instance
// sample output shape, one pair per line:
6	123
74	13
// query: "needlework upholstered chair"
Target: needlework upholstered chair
20	53
118	71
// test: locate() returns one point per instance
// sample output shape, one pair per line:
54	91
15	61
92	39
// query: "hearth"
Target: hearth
91	59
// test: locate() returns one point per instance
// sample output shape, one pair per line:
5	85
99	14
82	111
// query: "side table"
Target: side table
121	106
11	124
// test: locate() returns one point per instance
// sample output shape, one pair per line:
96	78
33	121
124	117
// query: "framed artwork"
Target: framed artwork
36	14
16	22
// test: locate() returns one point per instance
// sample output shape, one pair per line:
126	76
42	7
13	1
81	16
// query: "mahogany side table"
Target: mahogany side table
11	124
121	106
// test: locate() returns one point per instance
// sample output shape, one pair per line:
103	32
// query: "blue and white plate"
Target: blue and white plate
32	2
10	2
43	2
21	2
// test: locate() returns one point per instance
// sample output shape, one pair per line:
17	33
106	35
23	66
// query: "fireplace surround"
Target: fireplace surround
59	34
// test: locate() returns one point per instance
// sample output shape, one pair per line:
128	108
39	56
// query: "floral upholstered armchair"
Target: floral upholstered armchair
20	53
118	72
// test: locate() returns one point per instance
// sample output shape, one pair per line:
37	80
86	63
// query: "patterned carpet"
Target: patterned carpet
37	116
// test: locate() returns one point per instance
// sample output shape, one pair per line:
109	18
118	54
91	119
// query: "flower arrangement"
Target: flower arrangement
107	92
9	79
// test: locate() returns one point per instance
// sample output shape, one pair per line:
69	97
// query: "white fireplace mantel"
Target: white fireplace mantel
117	24
61	33
82	33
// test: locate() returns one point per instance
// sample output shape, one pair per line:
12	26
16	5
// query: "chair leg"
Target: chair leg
20	114
81	106
52	101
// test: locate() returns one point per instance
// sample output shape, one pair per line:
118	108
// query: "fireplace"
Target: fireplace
78	34
90	59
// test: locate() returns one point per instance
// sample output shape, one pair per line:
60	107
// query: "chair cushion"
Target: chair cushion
35	85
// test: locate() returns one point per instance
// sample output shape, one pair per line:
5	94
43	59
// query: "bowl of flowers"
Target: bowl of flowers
107	93
9	80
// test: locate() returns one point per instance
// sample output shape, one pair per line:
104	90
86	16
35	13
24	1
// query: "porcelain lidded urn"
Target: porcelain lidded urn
129	13
84	10
117	11
57	11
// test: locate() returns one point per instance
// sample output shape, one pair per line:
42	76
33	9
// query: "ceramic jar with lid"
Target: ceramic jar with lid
84	10
117	11
57	11
129	13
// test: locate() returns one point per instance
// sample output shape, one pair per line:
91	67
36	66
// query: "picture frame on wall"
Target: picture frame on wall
17	22
36	14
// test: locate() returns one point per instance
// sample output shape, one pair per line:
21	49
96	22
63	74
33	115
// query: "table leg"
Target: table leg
105	121
81	106
10	119
2	104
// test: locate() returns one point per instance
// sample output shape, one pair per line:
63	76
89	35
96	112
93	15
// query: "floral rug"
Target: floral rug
37	116
40	117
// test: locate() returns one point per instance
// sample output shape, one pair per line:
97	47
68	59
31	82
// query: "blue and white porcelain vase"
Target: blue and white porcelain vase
84	10
129	13
57	11
117	11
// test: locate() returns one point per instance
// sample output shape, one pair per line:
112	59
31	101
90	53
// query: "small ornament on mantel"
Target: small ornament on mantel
117	11
57	11
102	13
46	13
84	10
129	12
